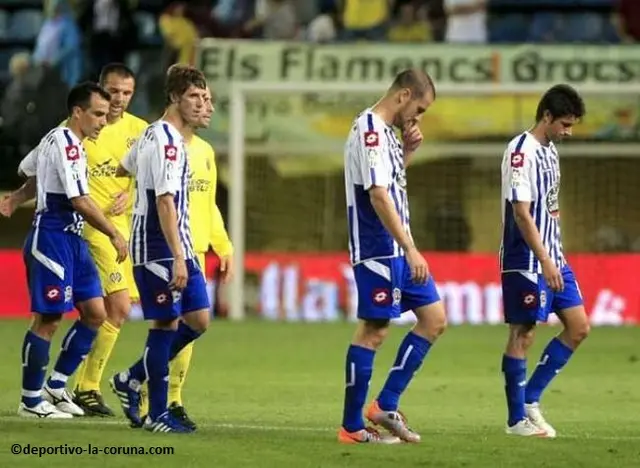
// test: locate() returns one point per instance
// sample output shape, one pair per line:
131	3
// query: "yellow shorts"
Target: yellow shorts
114	276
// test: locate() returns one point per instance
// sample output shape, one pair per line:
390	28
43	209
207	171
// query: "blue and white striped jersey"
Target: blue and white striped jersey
373	157
159	163
530	173
59	164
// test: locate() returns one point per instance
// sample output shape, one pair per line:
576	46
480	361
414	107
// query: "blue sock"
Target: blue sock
554	357
515	377
156	360
35	358
411	353
75	347
359	368
137	371
184	335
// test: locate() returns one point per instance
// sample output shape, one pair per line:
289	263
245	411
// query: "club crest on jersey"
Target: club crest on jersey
529	300
73	152
381	296
170	152
552	201
130	142
517	159
371	139
53	293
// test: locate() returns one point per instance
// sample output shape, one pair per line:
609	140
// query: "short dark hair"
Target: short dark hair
80	95
417	80
561	101
118	68
179	78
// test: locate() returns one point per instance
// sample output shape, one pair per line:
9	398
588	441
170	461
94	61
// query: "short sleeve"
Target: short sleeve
165	167
519	176
29	164
373	154
70	164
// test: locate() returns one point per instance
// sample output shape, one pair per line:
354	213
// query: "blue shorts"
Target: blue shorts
385	289
60	271
527	298
158	301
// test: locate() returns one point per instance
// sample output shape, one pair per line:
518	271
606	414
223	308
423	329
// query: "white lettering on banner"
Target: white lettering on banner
285	293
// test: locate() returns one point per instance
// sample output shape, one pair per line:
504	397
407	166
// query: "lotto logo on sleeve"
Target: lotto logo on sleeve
73	152
170	152
371	139
517	159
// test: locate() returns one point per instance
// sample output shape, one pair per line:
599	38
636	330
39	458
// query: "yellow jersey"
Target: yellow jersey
103	157
365	14
207	227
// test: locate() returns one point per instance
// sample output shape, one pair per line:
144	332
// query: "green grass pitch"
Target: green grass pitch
270	394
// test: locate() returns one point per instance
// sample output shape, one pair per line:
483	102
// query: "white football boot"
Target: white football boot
535	416
526	428
62	400
44	409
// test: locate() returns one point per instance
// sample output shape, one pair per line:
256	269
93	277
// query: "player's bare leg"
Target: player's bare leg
431	323
87	392
35	357
367	339
75	347
554	357
521	337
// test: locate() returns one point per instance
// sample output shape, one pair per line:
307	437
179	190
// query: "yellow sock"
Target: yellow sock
91	373
144	400
178	368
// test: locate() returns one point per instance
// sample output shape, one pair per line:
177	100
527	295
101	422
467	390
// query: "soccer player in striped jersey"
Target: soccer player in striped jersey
60	271
390	273
207	230
536	279
170	281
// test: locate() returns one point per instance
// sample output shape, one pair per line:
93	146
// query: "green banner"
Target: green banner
297	122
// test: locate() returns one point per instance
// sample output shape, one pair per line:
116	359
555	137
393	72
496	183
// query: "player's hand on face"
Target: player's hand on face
226	269
121	247
418	266
7	206
180	276
552	275
412	138
120	201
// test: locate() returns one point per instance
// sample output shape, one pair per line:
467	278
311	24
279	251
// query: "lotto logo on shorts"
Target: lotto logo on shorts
371	139
530	300
381	296
53	294
162	298
517	159
170	152
73	152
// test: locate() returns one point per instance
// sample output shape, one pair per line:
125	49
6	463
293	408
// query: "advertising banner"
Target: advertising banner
296	121
319	286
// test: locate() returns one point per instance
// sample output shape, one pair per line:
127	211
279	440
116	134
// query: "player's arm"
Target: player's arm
74	181
9	203
167	182
376	176
219	238
520	173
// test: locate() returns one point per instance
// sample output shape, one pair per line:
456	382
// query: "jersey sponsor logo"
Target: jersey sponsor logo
517	159
73	152
371	139
170	152
104	169
53	293
381	296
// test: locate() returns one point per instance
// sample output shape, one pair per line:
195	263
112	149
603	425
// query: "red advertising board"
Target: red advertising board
319	286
